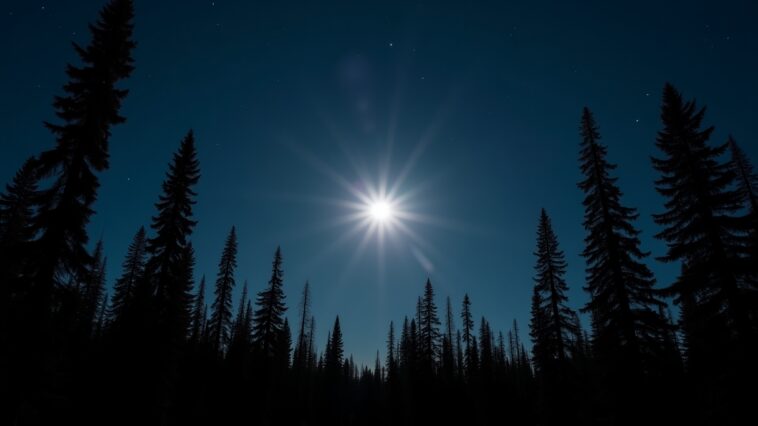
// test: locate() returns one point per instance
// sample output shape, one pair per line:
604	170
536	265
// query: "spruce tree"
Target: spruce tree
16	230
87	111
301	355
429	330
334	351
747	188
391	362
701	232
92	291
268	319
221	310
168	251
467	322
551	318
133	270
198	313
628	334
448	355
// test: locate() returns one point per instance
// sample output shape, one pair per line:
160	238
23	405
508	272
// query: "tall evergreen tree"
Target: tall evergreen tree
448	344
552	320
391	362
133	270
88	110
429	329
467	321
333	358
747	188
198	313
16	231
701	231
629	332
301	355
91	291
169	257
221	310
269	316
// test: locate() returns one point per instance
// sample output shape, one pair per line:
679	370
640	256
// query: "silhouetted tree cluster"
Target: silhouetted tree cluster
155	352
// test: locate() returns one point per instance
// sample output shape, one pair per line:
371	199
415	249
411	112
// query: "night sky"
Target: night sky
471	109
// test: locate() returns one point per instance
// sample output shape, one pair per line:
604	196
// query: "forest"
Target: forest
153	350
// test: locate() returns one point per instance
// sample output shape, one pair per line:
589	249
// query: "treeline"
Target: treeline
156	352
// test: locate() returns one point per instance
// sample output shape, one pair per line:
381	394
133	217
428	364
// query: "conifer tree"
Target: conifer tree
268	318
628	327
87	110
221	310
334	350
391	362
239	339
170	257
448	355
701	232
198	313
429	329
92	291
468	336
301	355
16	232
552	319
747	188
133	270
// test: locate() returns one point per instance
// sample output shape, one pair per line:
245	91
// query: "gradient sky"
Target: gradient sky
479	102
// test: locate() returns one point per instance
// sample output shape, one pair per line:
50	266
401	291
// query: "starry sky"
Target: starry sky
470	108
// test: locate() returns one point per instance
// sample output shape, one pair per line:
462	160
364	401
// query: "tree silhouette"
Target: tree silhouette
268	320
221	310
629	329
133	270
429	330
301	355
333	356
165	270
88	110
747	188
16	233
701	231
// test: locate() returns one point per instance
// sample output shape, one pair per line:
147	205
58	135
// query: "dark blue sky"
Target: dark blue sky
481	99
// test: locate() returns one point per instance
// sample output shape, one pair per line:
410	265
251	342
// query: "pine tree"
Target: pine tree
198	313
429	330
468	336
169	254
628	328
268	319
221	310
239	338
16	232
301	355
133	270
91	291
88	110
334	350
486	357
391	363
747	188
448	356
701	231
551	318
283	347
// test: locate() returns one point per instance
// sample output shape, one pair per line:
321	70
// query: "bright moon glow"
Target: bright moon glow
381	211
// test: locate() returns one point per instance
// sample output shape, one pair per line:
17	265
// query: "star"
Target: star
391	44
